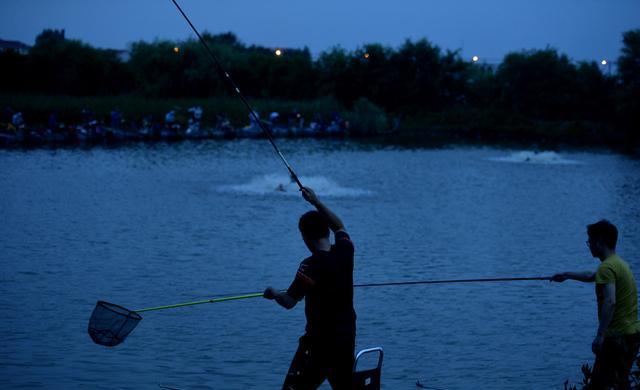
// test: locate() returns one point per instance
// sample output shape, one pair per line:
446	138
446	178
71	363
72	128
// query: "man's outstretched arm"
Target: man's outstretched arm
335	224
285	300
586	276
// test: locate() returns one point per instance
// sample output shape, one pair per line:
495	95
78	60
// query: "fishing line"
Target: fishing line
236	89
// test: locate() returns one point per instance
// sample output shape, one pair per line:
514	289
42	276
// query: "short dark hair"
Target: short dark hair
313	225
605	231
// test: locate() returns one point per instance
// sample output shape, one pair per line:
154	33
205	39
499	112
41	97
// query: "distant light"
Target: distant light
278	52
366	55
475	58
604	62
176	49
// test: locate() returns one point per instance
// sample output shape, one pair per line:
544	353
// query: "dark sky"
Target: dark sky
583	29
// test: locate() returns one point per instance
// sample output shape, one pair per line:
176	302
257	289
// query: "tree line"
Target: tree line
415	79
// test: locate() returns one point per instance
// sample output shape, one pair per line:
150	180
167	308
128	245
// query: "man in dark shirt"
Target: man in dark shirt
325	279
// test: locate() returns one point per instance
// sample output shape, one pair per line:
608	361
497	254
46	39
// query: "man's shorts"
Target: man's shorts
613	363
318	359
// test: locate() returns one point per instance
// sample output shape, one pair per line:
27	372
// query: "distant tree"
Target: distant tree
595	95
423	79
294	75
288	76
159	68
453	82
629	60
184	69
483	88
227	39
628	102
416	77
13	71
59	65
538	83
335	75
369	70
49	38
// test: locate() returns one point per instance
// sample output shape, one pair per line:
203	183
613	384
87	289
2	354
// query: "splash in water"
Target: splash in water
283	185
534	157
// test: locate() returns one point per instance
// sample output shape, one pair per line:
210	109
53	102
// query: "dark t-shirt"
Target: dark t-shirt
325	279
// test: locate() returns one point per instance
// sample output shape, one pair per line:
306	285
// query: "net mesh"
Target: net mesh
110	324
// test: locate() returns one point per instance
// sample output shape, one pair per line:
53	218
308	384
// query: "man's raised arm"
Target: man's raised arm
335	224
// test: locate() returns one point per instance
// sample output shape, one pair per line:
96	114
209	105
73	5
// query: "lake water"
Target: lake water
151	225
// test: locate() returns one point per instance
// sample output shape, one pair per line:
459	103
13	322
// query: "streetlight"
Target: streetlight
176	49
606	63
475	58
278	52
366	56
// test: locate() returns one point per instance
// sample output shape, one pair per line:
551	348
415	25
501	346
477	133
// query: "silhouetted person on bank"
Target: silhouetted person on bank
618	337
325	279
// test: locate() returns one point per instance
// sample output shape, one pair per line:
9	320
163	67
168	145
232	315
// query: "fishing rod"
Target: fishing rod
412	282
452	281
236	89
110	324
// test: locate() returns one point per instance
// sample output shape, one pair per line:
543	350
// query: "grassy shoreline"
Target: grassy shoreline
36	107
464	126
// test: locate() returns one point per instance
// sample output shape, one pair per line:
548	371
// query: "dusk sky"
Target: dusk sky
583	29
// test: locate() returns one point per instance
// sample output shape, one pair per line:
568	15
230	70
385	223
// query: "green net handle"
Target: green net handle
212	300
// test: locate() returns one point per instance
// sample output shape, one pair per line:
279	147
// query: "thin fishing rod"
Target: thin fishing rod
413	282
451	281
226	75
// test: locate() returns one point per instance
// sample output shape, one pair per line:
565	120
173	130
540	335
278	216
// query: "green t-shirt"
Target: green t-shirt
625	317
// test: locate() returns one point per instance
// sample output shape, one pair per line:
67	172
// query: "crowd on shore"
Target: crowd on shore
175	126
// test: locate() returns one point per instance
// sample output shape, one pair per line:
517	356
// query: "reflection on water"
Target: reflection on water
146	226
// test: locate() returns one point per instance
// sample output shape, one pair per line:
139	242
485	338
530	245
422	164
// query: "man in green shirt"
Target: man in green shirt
618	338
